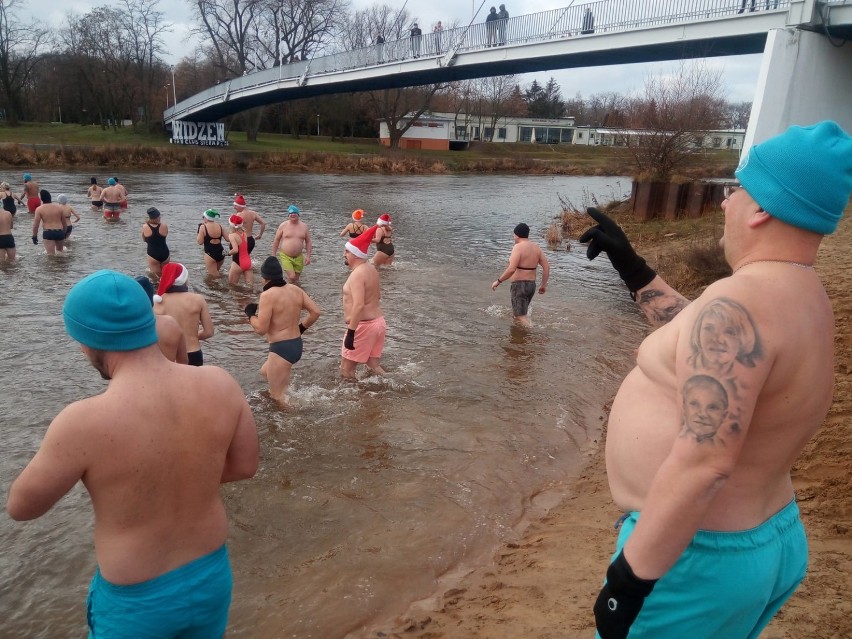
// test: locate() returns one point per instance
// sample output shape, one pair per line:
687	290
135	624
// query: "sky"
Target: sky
739	73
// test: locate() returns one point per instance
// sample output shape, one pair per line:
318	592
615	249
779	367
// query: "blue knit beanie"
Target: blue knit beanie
802	176
109	311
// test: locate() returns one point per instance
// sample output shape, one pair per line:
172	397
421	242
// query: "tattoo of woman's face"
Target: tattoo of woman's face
723	335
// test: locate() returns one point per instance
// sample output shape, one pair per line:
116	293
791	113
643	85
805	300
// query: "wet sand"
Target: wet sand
543	586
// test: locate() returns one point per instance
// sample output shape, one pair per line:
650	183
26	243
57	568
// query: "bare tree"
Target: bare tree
400	108
365	25
662	124
145	29
494	100
21	48
738	114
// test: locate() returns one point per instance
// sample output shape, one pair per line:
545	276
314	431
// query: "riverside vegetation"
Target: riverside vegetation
72	145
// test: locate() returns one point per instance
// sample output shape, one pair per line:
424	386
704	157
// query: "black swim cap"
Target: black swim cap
522	230
153	212
94	180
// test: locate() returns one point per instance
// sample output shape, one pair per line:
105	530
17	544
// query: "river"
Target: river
367	494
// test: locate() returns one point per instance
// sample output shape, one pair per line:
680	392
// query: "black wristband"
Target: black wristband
620	577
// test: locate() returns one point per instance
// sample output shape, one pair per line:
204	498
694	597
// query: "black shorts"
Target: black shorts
7	241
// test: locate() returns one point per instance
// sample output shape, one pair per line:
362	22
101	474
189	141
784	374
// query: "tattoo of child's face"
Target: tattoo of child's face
705	407
723	335
659	306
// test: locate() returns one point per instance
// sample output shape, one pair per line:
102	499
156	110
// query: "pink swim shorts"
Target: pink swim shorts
369	341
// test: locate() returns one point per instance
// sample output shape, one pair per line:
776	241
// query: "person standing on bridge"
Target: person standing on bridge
698	455
491	28
380	48
588	22
416	34
502	22
437	30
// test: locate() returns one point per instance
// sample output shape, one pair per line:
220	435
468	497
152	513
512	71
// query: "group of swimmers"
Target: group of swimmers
53	218
111	199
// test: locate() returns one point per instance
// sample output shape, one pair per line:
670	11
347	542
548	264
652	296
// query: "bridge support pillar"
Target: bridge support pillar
803	79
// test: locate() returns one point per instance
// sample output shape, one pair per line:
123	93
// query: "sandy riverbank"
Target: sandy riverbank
543	587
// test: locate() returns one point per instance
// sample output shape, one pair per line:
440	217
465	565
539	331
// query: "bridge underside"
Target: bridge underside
390	76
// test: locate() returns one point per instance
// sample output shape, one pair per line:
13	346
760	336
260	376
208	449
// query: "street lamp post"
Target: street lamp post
318	124
174	86
166	87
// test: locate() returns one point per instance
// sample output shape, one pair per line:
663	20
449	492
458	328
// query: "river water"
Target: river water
367	494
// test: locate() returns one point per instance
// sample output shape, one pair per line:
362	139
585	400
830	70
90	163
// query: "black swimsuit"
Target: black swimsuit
353	235
9	204
385	245
157	248
216	251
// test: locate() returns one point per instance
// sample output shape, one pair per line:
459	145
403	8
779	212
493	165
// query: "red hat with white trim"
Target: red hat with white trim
384	220
239	200
359	246
358	215
174	274
236	221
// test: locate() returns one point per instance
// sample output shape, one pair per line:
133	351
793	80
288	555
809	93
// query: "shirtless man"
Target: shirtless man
31	193
123	190
69	212
189	309
524	261
290	238
7	240
94	194
52	216
170	337
249	217
698	453
278	317
112	196
151	452
365	324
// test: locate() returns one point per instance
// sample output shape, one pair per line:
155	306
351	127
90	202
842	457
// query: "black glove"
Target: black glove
251	310
349	341
35	239
620	600
302	328
608	237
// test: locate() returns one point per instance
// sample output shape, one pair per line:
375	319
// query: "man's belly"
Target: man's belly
292	247
642	427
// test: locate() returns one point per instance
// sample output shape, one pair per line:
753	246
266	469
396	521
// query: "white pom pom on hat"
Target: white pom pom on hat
174	274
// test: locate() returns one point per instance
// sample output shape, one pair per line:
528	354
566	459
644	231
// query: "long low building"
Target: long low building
444	131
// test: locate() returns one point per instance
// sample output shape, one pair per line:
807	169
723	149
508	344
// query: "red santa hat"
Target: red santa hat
236	221
359	246
384	220
239	200
174	273
358	215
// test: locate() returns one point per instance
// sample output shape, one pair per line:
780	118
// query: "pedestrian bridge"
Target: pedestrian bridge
805	74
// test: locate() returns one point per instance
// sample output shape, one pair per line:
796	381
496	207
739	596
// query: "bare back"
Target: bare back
51	215
526	257
191	312
362	290
773	397
6	221
171	339
112	195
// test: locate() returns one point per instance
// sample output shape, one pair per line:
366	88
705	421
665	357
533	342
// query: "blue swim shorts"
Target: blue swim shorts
725	584
190	602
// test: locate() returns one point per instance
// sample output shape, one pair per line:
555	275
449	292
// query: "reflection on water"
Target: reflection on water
368	492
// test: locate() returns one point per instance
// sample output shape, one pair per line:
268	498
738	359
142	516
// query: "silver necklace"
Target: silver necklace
791	263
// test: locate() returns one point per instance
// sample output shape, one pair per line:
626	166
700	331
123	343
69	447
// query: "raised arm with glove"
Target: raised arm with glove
607	237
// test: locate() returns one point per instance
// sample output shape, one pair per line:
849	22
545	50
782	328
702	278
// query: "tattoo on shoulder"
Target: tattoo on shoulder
705	409
660	306
724	337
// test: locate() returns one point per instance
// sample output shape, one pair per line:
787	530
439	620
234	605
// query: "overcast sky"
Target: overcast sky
739	73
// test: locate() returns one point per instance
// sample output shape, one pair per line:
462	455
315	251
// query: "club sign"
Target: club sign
198	133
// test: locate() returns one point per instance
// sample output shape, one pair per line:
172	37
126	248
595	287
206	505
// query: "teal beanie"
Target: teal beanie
109	311
802	176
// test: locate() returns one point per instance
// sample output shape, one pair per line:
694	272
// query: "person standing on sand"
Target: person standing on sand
290	238
364	341
278	318
152	454
719	546
523	266
31	192
189	309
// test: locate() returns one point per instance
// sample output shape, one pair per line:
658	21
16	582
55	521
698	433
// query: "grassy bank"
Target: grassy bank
72	145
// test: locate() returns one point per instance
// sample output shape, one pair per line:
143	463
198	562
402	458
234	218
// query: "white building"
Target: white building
443	131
